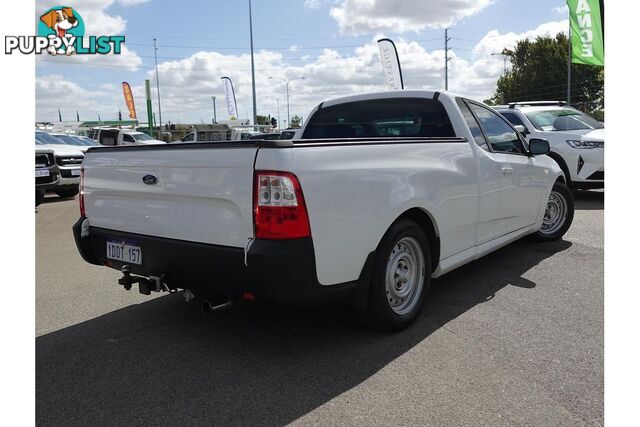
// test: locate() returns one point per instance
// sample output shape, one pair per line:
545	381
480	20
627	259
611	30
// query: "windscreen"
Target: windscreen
70	140
404	117
562	119
86	141
43	138
141	137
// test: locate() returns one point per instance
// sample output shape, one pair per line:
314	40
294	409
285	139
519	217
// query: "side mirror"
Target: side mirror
538	146
522	129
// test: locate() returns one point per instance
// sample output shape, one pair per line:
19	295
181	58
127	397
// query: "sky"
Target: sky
331	43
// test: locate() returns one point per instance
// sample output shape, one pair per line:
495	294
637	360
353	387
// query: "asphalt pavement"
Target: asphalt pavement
515	338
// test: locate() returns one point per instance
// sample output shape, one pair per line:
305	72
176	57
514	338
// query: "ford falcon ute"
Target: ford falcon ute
378	194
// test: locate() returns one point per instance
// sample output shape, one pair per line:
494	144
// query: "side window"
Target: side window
513	119
188	138
399	117
128	138
107	137
502	137
473	125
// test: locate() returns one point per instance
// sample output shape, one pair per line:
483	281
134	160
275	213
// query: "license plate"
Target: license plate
42	172
125	252
75	172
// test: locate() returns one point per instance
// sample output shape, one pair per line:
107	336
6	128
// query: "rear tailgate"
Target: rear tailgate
203	192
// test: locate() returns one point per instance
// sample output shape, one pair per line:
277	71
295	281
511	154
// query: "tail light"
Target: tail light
81	194
278	206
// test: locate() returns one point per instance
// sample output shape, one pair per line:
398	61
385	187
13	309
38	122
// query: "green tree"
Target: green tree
295	121
262	120
539	73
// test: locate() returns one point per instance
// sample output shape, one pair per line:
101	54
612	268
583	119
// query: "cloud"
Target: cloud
316	4
494	42
563	10
188	84
53	91
312	4
399	16
132	2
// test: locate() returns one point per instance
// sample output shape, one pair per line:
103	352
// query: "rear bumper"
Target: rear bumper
277	270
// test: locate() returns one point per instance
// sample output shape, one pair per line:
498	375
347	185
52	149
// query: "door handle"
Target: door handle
507	170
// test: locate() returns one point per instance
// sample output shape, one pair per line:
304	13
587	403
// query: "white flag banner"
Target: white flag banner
230	96
390	64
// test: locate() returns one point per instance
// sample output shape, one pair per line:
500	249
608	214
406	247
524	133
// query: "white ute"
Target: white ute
117	136
382	192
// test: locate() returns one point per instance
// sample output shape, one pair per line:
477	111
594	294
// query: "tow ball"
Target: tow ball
145	285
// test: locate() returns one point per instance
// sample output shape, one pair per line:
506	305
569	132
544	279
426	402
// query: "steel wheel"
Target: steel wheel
555	215
404	277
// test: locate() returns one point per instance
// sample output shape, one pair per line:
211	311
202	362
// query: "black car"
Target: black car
47	174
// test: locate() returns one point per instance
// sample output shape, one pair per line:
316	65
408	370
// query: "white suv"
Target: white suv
576	139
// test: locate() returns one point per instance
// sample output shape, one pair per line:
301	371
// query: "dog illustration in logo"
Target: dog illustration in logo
60	21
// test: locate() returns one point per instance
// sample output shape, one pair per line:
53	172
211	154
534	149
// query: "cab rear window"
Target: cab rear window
405	117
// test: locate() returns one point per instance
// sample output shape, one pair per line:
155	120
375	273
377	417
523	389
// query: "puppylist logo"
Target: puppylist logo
61	32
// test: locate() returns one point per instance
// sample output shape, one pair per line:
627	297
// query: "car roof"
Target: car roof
382	95
531	107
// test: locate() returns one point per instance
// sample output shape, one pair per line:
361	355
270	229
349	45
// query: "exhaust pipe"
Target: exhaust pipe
208	308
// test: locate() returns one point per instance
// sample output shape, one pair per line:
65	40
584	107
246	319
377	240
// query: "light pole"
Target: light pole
505	54
287	84
215	119
253	71
155	52
504	58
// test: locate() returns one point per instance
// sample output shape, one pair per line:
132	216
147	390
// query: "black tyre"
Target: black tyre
67	193
400	279
39	197
558	215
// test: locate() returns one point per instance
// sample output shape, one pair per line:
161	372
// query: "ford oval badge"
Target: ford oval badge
150	179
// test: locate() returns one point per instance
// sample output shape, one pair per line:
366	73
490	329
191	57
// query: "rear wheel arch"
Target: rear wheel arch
427	224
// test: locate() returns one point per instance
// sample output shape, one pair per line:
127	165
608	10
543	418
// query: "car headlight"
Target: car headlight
585	144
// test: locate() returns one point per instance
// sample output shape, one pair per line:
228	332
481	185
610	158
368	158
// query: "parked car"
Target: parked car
224	132
117	136
576	139
68	158
383	192
47	174
82	142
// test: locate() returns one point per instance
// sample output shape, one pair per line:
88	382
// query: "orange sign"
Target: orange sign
128	98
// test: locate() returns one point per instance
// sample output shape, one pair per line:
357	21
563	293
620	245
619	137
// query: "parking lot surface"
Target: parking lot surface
513	338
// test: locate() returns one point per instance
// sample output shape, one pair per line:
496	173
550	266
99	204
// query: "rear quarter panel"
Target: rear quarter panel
354	193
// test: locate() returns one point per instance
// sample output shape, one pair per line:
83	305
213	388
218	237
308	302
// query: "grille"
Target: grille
68	161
